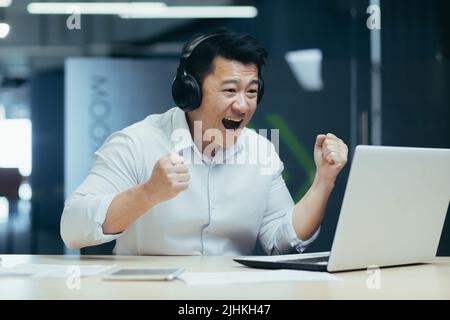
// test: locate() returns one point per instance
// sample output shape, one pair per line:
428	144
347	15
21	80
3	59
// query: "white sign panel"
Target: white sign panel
103	95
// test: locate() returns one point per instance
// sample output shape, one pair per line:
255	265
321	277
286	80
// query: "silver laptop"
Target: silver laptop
393	212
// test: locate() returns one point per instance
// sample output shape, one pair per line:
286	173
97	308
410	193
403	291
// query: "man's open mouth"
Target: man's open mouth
231	124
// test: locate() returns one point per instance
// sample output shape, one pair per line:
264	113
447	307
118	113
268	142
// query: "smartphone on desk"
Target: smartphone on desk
143	274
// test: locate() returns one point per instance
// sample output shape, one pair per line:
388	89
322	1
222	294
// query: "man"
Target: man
147	194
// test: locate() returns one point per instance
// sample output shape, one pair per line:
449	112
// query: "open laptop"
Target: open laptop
393	212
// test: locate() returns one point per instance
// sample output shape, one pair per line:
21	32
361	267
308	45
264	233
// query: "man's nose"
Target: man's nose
241	104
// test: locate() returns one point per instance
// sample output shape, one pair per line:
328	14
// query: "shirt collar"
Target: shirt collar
182	138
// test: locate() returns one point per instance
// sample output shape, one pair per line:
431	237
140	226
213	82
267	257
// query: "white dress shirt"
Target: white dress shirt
230	203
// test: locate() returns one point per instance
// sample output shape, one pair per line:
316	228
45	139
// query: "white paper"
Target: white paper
215	278
52	271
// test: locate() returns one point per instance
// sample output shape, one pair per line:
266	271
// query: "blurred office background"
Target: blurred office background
64	89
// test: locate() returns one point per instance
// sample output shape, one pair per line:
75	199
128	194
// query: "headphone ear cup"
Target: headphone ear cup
177	92
260	89
195	93
186	92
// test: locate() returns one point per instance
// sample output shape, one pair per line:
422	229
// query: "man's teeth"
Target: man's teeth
231	119
230	123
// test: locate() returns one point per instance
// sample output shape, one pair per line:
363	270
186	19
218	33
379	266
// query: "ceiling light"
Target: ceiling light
5	3
113	8
177	12
4	30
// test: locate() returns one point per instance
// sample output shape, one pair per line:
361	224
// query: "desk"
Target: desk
426	281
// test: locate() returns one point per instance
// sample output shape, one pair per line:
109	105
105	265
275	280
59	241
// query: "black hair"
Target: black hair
230	45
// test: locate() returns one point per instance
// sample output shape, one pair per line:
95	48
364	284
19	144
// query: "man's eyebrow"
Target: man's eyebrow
239	81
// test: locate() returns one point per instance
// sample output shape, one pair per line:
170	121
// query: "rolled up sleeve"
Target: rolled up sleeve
114	171
277	234
286	231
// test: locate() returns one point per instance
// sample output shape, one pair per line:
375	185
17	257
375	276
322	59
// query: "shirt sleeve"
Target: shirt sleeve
114	171
277	234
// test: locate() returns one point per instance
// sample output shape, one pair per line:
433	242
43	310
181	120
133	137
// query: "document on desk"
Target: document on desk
215	278
52	271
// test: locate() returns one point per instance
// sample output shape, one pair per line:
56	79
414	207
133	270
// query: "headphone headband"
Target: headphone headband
190	48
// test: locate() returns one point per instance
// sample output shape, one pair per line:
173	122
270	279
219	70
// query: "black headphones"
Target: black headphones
186	91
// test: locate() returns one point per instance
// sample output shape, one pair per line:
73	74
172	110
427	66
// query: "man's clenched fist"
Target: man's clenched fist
170	176
330	155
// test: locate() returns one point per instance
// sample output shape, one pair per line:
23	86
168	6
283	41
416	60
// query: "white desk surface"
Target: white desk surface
425	281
